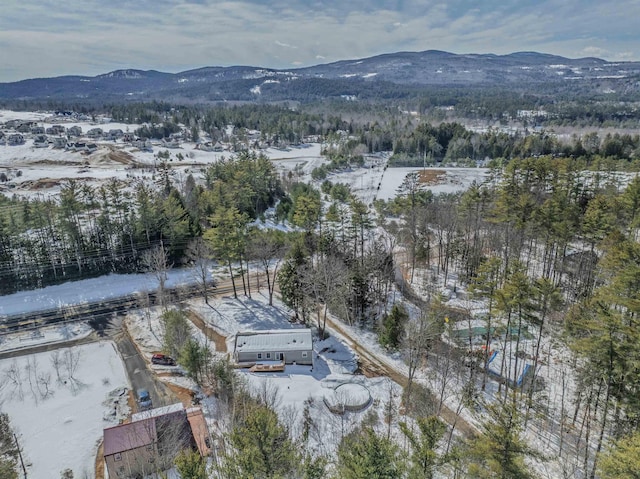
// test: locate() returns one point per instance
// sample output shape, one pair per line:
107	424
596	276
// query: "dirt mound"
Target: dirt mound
433	177
46	183
57	163
109	156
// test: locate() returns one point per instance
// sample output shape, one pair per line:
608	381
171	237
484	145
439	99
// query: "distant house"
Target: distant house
90	147
151	441
143	144
59	142
25	127
288	345
56	130
95	133
41	141
15	139
74	131
209	146
37	130
77	146
170	143
128	137
114	134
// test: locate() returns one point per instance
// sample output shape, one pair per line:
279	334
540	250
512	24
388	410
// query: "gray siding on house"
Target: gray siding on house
294	346
290	357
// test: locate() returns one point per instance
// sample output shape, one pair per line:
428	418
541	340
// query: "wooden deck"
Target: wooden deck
267	368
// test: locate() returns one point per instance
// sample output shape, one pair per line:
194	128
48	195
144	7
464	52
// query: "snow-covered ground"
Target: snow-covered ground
453	181
59	418
291	391
48	335
299	386
90	290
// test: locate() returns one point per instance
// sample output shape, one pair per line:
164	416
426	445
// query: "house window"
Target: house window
117	456
304	354
279	356
268	355
259	355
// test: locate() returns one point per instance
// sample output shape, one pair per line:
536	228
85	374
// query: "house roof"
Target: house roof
129	436
141	431
199	430
274	340
159	411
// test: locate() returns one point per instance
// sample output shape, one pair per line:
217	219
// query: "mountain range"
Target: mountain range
388	75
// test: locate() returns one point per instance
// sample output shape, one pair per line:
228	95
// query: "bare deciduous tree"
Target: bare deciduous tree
71	361
156	261
14	375
56	362
418	338
199	253
269	248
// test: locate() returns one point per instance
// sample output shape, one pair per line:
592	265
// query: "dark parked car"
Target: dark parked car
144	399
163	359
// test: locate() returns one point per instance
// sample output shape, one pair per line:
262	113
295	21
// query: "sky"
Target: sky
45	38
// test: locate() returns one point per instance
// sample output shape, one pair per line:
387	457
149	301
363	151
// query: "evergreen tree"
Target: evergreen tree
500	450
622	459
424	442
194	358
191	465
390	334
176	332
363	454
8	449
260	448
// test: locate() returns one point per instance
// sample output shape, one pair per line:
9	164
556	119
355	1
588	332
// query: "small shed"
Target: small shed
288	345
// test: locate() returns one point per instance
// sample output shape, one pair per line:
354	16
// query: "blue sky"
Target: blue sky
42	38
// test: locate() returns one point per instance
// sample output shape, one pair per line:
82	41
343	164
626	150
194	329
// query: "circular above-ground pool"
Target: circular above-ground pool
347	397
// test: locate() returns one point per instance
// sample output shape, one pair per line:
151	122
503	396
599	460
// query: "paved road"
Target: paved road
140	375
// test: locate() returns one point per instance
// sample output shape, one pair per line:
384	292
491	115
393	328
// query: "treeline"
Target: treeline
94	231
590	105
452	142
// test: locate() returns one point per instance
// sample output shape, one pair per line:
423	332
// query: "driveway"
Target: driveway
140	375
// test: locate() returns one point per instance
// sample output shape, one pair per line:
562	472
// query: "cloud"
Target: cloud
47	37
596	51
285	45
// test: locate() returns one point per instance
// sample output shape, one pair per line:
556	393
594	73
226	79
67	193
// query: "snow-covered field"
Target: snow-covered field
59	418
89	290
48	335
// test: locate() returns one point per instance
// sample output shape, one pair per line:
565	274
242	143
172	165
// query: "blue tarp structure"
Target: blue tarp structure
522	376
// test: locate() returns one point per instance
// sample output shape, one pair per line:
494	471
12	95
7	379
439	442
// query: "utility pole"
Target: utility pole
24	469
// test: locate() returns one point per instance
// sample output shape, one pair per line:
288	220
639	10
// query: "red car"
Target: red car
163	360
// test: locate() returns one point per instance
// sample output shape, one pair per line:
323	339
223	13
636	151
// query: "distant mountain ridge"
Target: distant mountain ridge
402	72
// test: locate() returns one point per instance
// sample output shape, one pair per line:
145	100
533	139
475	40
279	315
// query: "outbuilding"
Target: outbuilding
288	345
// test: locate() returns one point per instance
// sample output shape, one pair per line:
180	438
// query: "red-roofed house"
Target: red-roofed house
152	440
